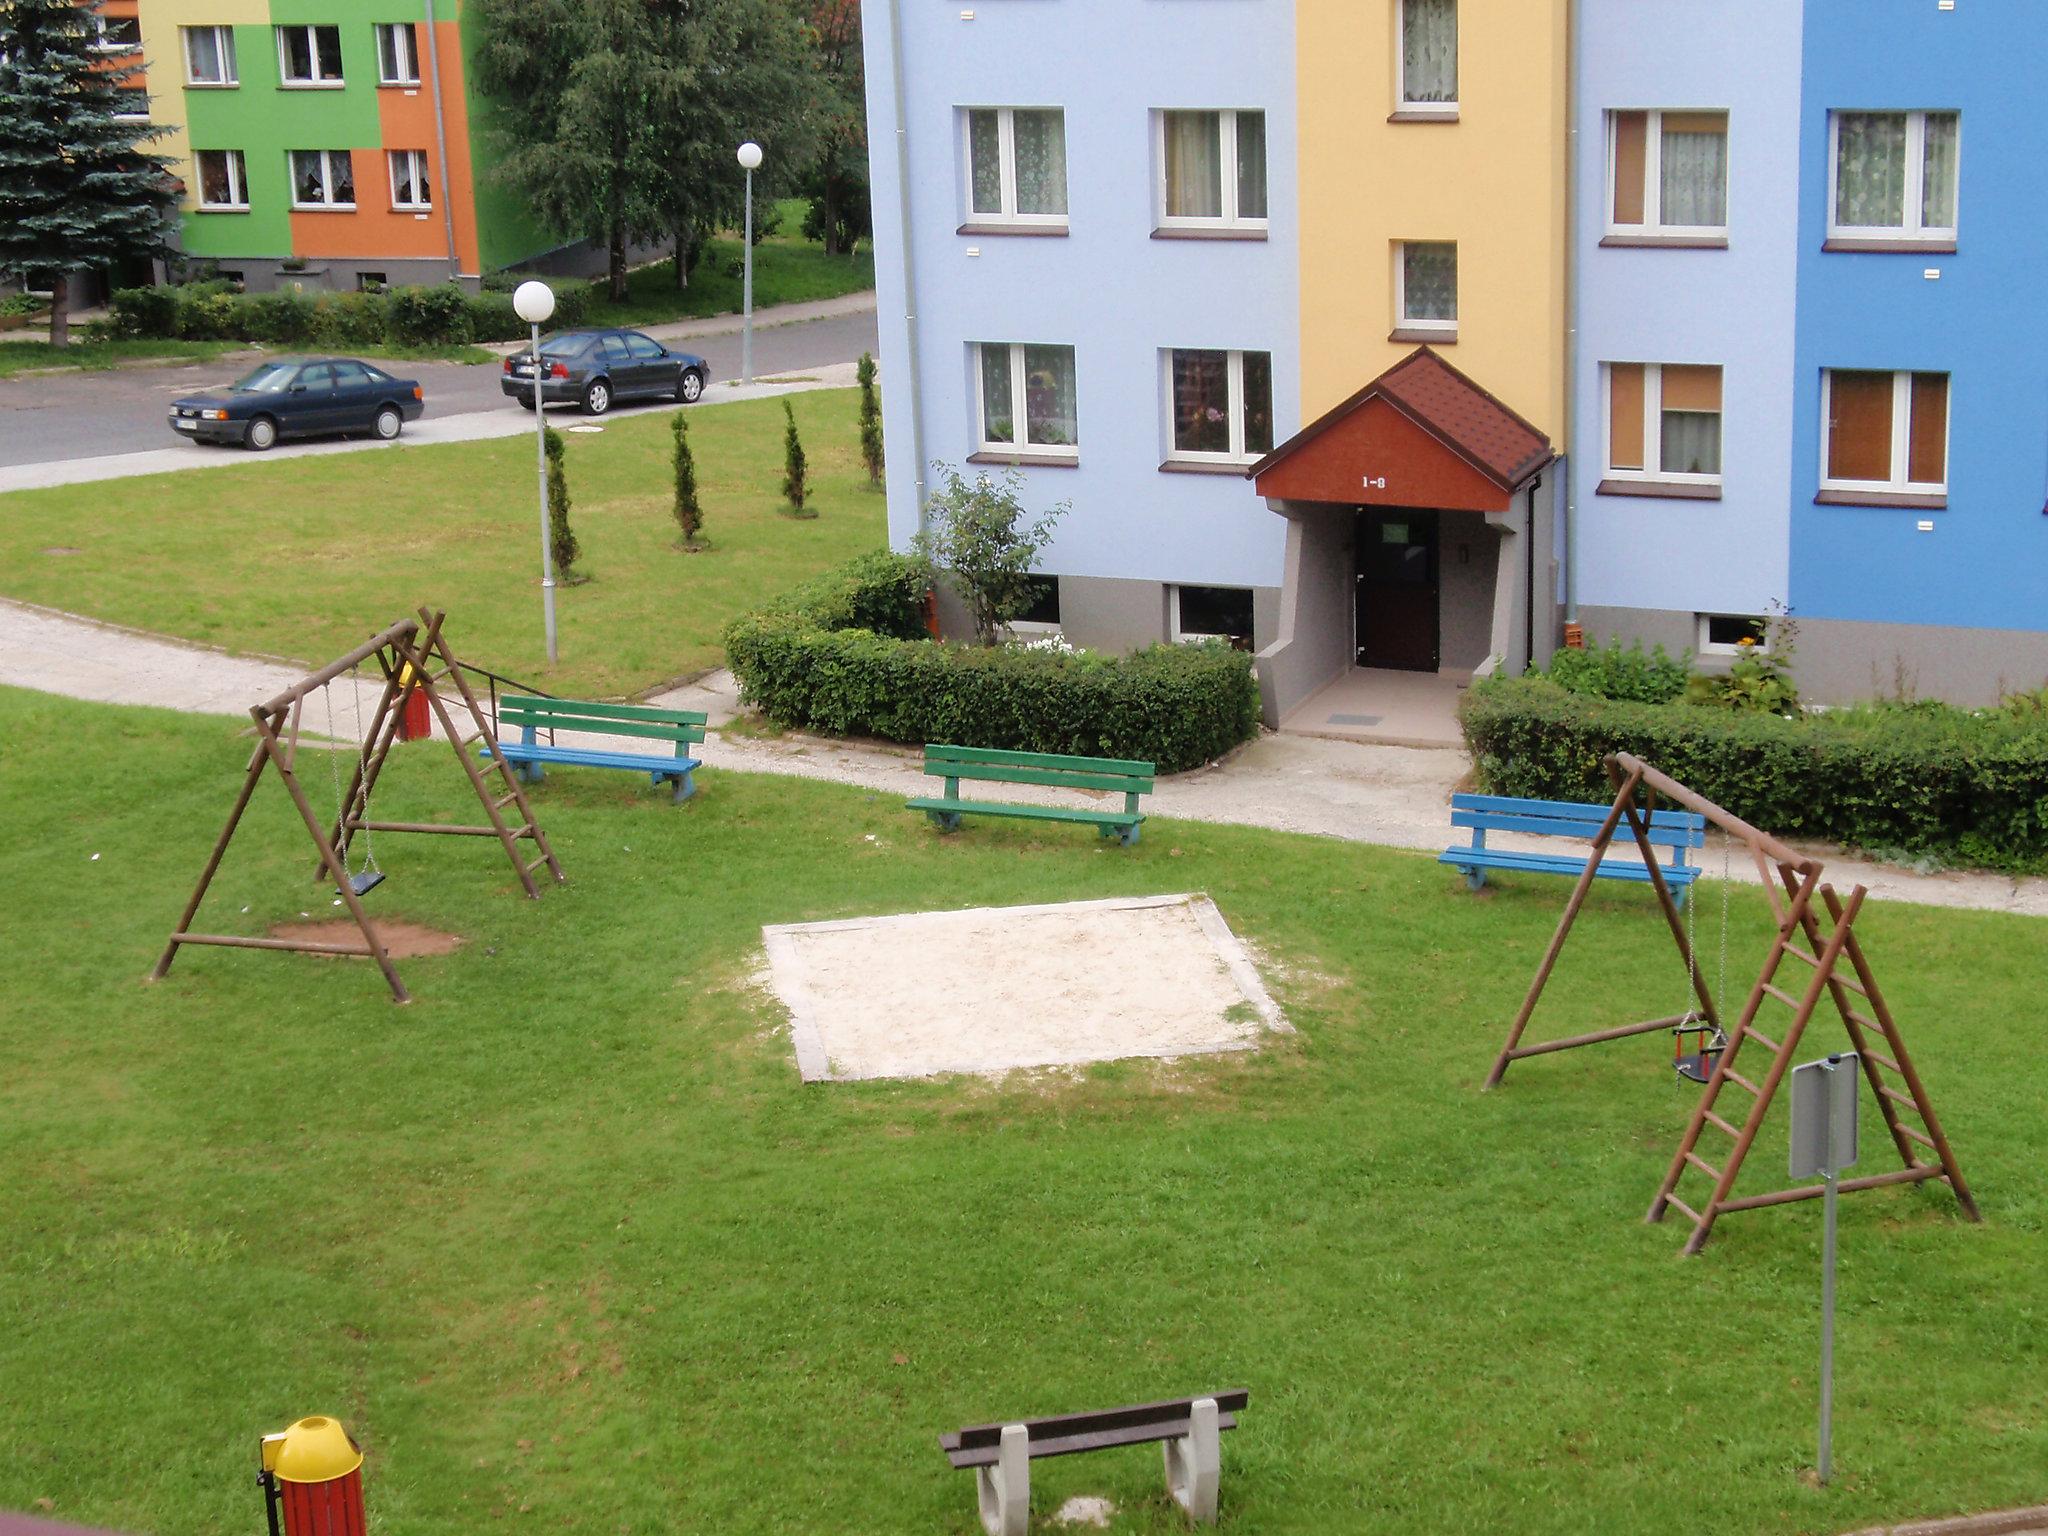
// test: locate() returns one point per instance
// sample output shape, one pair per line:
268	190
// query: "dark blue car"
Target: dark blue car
313	397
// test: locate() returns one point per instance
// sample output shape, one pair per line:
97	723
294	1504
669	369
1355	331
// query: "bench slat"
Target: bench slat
1029	812
941	751
1055	778
1090	1440
1577	811
540	752
1060	1425
1561	864
1547	826
675	733
596	711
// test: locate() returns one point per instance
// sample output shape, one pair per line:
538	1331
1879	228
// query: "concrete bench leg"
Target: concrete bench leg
1194	1464
1005	1488
682	783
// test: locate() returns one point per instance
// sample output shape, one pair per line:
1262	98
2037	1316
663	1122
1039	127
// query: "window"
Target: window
1213	613
1667	173
223	181
1886	432
1425	290
1212	170
1221	404
371	282
645	348
209	55
1894	176
1729	634
1017	166
398	60
1428	58
309	55
1663	426
409	188
117	34
323	178
131	103
1041	613
1041	381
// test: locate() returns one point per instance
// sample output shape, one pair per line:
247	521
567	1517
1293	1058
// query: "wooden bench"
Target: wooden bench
684	727
1000	1455
1129	779
1481	814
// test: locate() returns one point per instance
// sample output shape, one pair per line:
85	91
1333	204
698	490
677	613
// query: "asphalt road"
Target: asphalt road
57	416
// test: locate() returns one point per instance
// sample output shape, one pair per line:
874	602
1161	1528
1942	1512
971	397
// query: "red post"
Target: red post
313	1476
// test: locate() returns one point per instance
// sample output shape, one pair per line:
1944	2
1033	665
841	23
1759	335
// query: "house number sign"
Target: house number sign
1375	482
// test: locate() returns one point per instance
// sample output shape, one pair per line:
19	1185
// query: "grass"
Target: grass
788	269
304	557
18	357
570	1248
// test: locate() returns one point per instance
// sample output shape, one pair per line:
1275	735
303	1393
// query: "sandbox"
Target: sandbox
991	989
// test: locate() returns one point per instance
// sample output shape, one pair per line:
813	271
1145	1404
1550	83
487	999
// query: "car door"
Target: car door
308	404
619	366
354	404
655	370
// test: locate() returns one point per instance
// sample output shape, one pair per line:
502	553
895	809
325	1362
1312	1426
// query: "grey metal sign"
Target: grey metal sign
1824	1111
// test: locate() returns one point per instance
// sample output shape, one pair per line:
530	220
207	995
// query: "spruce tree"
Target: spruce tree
562	545
795	473
77	188
689	515
870	418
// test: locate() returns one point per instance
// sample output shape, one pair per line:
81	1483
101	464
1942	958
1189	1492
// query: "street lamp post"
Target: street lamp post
750	161
533	302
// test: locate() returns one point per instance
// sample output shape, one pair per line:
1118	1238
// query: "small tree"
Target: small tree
562	545
795	473
870	418
976	531
689	515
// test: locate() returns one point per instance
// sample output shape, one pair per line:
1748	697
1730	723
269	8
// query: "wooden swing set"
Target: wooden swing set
408	654
1815	929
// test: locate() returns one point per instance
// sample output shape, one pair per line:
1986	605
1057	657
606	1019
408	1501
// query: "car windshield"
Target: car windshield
269	379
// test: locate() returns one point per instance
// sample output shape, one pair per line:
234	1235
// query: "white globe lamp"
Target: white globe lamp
533	301
750	156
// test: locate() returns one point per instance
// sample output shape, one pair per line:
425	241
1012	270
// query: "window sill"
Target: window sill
1654	241
221	208
212	85
1419	114
1411	333
1027	458
398	85
1902	244
1673	490
1922	501
312	85
1055	231
419	210
1235	469
323	207
1219	232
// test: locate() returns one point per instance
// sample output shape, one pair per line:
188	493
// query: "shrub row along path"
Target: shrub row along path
1393	796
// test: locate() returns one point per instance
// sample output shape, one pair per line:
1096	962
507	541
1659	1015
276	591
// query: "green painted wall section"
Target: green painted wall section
506	229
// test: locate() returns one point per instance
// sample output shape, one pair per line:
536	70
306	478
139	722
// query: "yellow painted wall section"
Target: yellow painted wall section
1493	181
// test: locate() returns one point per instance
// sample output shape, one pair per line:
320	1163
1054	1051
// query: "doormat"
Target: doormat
1356	719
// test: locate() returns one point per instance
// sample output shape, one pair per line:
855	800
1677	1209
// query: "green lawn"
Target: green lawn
570	1248
305	557
17	356
788	269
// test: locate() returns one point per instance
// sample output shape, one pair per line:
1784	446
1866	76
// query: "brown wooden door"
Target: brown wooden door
1397	591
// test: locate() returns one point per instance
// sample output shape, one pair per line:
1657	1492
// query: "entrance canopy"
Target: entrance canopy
1419	435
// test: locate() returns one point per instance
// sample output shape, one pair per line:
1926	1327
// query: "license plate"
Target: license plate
522	370
186	426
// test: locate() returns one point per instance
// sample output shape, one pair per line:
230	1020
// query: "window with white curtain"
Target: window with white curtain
1894	175
1016	161
1884	432
1212	170
1428	55
409	188
323	178
1219	405
223	180
1664	423
1426	289
209	55
1667	173
1026	399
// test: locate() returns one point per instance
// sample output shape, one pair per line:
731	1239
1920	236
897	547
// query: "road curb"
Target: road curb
2002	1522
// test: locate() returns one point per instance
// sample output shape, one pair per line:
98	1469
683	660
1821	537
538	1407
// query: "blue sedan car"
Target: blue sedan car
597	368
312	397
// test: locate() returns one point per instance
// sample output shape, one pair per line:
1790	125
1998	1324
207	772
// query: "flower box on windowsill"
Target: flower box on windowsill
1674	490
1029	458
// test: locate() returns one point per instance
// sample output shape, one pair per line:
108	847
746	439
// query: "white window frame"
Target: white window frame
1916	178
238	180
1233	409
1403	107
133	117
1705	647
410	48
1902	444
223	47
1226	155
99	35
392	160
1435	330
317	81
1182	635
1020	413
326	180
1038	629
1653	471
1006	169
1653	174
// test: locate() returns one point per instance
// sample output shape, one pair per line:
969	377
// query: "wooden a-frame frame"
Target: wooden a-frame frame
406	652
1798	897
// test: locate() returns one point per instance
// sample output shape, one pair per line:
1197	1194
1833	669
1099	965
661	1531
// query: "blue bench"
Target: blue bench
1481	814
683	727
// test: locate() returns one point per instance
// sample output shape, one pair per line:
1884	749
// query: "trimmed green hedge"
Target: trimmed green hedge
433	315
847	654
1964	788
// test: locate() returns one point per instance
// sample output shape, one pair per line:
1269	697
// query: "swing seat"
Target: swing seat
365	882
1698	1067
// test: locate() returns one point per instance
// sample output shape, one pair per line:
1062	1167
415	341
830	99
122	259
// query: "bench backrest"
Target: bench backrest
1113	1423
1569	818
678	725
1050	768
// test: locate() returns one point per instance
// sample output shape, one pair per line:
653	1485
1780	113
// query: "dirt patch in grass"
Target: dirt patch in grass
401	940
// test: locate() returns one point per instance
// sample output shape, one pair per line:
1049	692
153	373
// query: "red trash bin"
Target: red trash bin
313	1476
417	721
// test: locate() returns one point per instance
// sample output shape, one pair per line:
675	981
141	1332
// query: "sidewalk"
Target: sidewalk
1396	797
732	324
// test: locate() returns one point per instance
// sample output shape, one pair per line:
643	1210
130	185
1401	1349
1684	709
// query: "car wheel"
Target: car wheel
690	386
260	434
390	422
597	397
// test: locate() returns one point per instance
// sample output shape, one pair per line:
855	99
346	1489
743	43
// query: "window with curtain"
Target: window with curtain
1017	165
223	182
1895	175
1041	380
409	187
209	55
1664	424
1212	169
1429	54
1220	404
322	178
1667	172
1427	278
1885	431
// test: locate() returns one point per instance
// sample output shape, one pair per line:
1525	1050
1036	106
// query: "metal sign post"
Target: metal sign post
1824	1106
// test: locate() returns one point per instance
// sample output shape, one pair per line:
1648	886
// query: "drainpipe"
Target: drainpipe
1529	579
910	360
1570	530
441	143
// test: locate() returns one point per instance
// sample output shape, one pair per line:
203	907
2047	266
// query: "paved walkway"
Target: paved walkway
1362	792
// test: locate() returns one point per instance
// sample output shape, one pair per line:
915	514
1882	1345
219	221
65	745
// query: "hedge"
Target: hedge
847	654
436	315
1960	787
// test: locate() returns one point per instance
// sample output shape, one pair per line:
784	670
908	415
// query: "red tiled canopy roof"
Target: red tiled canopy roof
1421	434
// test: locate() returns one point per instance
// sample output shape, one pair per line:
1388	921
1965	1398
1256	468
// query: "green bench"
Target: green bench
529	754
993	765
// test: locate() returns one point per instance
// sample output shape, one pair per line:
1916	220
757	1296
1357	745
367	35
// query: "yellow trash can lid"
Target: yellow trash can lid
315	1450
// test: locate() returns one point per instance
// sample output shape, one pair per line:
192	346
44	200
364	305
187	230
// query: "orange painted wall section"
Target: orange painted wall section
1377	442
